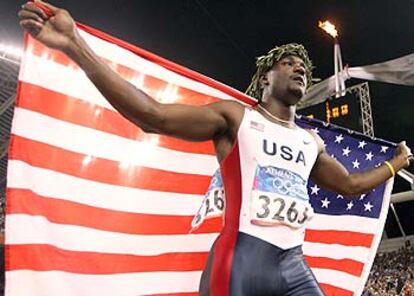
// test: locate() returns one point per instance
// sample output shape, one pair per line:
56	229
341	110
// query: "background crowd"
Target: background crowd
392	273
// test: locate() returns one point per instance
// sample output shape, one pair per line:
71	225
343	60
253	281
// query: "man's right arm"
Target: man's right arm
182	121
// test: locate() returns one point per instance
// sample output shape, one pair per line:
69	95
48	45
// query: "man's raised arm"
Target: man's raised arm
332	175
59	31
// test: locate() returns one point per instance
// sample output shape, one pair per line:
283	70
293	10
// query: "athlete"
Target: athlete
259	251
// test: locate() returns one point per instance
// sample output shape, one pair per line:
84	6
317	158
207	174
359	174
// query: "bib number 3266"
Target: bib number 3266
271	209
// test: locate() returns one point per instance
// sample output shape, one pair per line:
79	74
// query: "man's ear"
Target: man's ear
263	81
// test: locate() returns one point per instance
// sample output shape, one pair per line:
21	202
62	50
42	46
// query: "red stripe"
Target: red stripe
22	201
176	294
346	265
46	257
335	291
56	105
225	244
106	171
157	60
151	84
346	238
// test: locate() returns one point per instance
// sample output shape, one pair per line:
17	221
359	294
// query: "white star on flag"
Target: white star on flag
316	130
346	151
362	196
384	149
362	144
355	164
339	139
368	206
315	189
340	196
325	203
349	205
369	156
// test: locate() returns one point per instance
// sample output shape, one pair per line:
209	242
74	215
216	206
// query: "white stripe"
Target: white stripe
94	143
343	222
74	82
61	79
128	59
53	184
377	238
25	229
53	283
336	278
335	251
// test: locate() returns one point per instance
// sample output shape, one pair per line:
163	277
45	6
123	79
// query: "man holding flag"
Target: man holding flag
265	159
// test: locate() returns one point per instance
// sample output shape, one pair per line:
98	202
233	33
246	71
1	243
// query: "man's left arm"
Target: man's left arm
332	175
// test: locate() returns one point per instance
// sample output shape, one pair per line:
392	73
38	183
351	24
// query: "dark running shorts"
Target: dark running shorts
256	267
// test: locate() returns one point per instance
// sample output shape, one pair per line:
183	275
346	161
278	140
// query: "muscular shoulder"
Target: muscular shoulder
318	139
227	107
232	112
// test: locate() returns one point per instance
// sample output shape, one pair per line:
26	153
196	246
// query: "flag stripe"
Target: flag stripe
130	66
102	170
60	134
336	251
170	93
346	265
177	294
346	238
99	118
335	291
52	283
70	213
197	78
342	222
99	195
336	278
78	238
30	257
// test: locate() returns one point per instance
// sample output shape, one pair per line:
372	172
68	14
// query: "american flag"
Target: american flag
97	207
342	239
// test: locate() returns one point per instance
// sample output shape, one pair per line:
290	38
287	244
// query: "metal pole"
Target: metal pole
341	68
398	220
336	69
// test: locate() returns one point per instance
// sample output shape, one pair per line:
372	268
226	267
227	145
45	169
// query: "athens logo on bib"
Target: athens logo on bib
279	196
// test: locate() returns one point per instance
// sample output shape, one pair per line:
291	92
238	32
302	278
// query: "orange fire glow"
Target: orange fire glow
329	28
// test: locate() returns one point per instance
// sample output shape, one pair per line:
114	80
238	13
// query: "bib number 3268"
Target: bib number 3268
271	209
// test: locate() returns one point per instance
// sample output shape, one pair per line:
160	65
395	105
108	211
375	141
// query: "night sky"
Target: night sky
221	39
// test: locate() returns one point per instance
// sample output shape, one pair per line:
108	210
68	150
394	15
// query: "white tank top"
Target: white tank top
265	179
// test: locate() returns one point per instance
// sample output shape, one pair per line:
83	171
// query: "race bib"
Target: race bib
279	196
213	202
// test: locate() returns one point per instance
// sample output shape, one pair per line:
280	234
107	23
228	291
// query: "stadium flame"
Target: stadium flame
329	28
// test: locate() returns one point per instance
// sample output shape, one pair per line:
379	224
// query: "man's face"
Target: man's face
287	80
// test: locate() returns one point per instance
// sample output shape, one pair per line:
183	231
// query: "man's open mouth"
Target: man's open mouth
299	79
